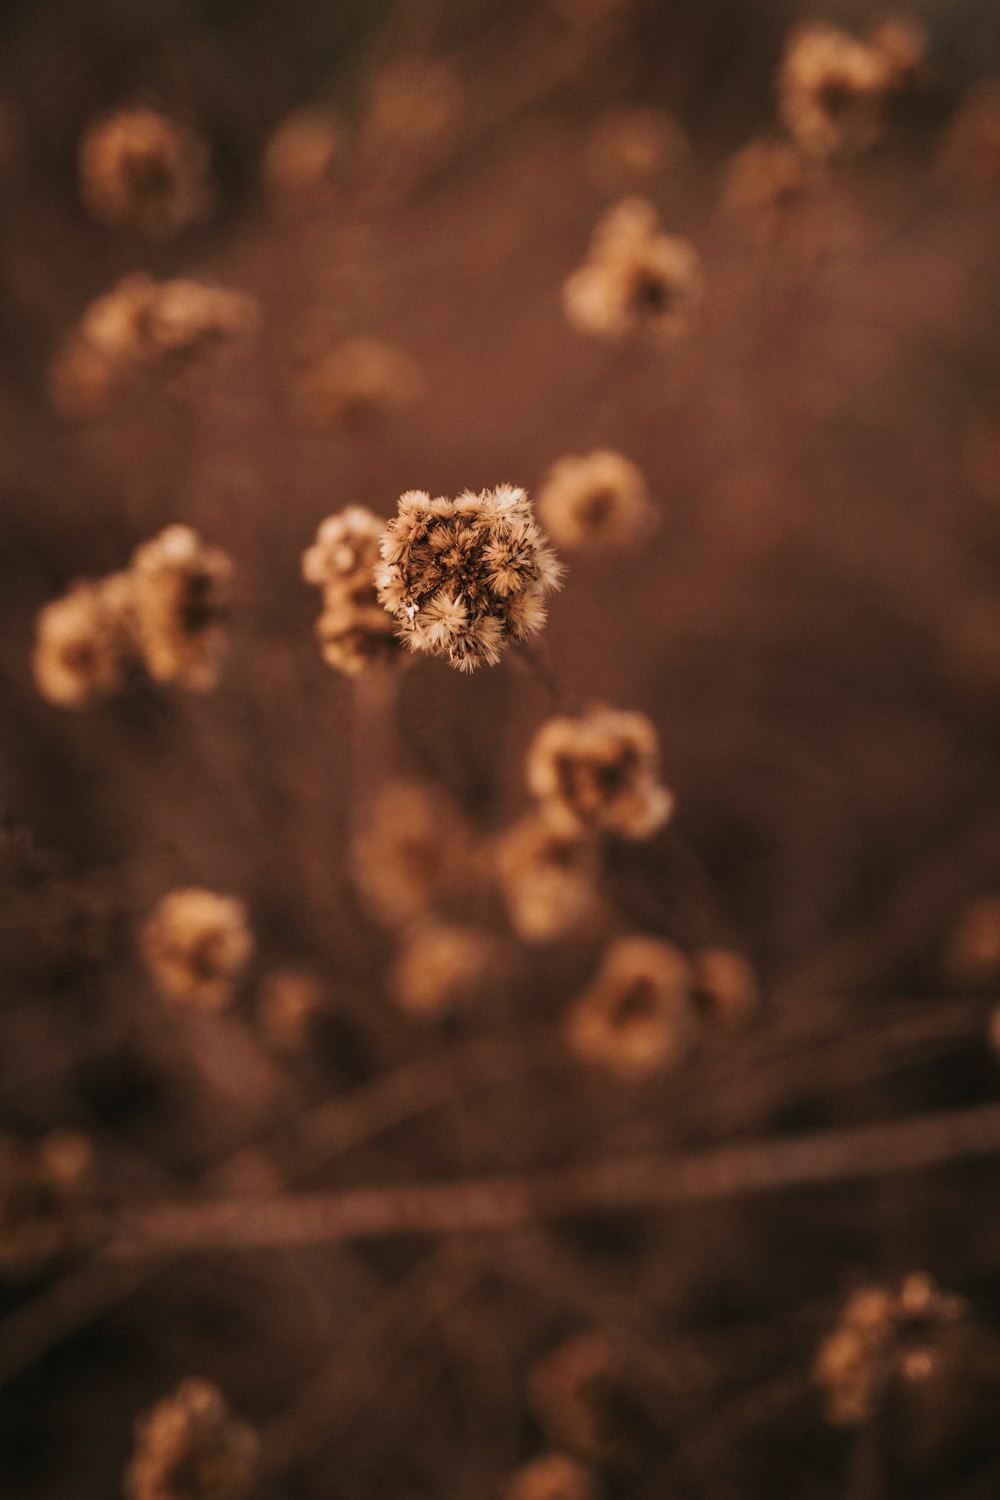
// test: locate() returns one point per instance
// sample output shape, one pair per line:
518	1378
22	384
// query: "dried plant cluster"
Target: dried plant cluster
165	614
567	1081
192	1447
465	577
197	944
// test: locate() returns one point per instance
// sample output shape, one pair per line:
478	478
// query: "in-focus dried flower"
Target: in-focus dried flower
181	591
596	502
553	1476
192	1447
85	642
287	1002
354	386
464	577
970	151
636	281
627	146
168	328
585	1399
440	967
302	156
45	1190
355	630
638	1016
725	986
196	945
549	880
883	1337
599	771
834	90
413	853
972	954
140	170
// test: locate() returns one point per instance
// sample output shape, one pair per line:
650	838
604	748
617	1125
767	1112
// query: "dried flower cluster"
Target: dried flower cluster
413	853
168	328
301	158
549	880
192	1447
45	1189
638	1016
355	631
165	613
553	1476
464	577
599	771
440	966
584	1396
636	281
835	90
196	945
883	1338
140	170
354	386
596	502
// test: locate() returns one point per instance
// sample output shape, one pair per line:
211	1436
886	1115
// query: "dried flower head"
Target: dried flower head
970	151
636	281
599	771
355	630
725	986
45	1190
596	502
638	1016
413	853
972	954
354	386
441	966
463	577
192	1447
85	642
627	146
139	170
553	1476
196	945
834	90
549	880
584	1396
302	156
181	590
884	1338
167	328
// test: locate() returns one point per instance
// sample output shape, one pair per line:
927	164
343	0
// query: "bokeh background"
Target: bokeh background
814	630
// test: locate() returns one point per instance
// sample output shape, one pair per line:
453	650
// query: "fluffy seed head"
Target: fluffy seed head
355	630
599	771
85	642
181	590
548	879
192	1447
302	156
463	577
638	1017
596	502
140	170
636	281
196	945
440	967
412	854
884	1337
